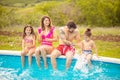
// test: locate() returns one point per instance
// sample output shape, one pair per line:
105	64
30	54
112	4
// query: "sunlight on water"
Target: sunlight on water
8	74
11	74
10	70
26	75
59	73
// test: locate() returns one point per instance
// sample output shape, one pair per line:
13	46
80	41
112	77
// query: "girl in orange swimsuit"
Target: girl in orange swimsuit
28	44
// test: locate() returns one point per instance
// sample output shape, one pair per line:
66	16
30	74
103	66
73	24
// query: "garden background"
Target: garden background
102	16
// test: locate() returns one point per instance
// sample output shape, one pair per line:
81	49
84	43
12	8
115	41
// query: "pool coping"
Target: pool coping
101	58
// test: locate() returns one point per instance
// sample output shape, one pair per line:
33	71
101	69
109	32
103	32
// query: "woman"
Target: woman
46	36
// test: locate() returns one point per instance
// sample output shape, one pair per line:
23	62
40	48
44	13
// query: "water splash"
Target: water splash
58	73
81	64
8	73
26	75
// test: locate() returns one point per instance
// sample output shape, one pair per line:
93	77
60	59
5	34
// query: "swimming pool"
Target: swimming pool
11	69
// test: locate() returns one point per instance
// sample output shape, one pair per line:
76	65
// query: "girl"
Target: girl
46	36
28	44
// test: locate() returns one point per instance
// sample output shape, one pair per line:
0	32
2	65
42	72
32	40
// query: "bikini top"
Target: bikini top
28	40
49	36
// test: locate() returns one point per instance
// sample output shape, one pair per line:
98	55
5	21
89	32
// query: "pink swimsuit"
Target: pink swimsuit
29	41
49	36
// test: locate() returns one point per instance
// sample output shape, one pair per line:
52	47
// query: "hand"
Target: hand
68	43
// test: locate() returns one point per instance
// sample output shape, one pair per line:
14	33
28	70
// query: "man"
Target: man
67	34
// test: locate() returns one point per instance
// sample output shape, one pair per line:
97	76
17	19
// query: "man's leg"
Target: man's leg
69	56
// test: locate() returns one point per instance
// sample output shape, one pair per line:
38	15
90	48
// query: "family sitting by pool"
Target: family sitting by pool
68	38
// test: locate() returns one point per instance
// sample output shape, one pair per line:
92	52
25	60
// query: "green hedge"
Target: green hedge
105	13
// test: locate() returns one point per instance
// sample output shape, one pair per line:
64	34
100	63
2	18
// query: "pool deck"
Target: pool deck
104	59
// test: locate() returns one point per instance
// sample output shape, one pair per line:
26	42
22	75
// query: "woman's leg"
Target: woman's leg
37	56
43	53
31	52
54	55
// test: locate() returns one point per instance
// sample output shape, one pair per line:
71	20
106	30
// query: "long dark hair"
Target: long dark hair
42	22
88	32
32	31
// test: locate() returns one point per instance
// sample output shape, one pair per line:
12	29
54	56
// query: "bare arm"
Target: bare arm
94	47
23	44
82	47
77	38
63	37
39	37
55	37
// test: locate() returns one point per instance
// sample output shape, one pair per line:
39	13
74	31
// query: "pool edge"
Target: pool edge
101	58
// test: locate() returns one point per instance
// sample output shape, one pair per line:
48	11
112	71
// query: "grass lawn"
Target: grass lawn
108	49
12	41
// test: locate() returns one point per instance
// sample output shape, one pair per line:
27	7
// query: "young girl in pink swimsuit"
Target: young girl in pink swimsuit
46	36
28	44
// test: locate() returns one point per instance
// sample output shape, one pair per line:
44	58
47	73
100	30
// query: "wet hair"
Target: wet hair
42	22
32	31
88	32
71	24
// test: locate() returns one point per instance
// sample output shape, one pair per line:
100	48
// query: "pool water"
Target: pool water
11	69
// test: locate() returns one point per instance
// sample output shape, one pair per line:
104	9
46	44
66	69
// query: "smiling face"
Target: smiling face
28	31
46	22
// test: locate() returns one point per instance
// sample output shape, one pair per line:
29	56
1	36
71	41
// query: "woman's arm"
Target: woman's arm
39	37
55	37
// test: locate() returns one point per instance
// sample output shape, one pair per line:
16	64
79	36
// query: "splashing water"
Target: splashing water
11	69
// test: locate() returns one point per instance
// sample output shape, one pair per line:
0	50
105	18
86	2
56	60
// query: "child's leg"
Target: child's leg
23	53
83	57
31	52
89	57
37	56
